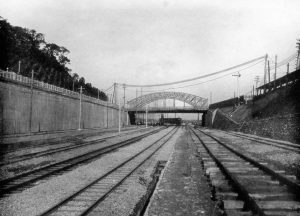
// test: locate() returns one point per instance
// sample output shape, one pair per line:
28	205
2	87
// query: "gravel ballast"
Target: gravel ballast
10	170
277	158
124	201
37	199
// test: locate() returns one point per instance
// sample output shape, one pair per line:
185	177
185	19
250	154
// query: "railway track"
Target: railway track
57	141
279	144
27	179
85	200
24	157
245	186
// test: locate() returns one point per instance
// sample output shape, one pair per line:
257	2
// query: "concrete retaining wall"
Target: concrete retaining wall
23	111
217	119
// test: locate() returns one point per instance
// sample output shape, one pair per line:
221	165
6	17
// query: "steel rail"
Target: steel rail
56	141
295	188
8	185
100	199
243	193
287	146
29	156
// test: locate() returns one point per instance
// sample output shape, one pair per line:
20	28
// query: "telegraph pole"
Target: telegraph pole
124	86
298	55
31	102
256	79
119	116
107	113
115	93
269	87
79	118
275	67
265	72
238	75
269	71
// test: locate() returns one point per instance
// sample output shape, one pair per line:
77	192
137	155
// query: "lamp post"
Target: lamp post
238	75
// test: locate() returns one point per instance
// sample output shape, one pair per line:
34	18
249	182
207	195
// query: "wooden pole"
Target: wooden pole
119	116
31	102
265	72
79	118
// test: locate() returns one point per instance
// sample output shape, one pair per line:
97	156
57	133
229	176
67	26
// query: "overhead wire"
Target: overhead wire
206	80
195	78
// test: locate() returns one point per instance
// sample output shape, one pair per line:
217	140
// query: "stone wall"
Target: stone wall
24	111
285	127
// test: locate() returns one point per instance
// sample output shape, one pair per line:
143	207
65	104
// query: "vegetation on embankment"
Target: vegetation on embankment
27	50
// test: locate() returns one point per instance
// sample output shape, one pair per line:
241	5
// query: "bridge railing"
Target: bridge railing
10	75
167	108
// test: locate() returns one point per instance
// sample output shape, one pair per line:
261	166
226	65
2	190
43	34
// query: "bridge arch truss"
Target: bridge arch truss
193	100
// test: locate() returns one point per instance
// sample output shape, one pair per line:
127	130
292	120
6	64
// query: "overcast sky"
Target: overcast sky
148	42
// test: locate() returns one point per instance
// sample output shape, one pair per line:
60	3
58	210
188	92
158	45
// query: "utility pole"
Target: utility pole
79	118
298	55
287	73
146	116
98	94
210	96
269	71
238	75
107	113
119	116
265	72
124	86
31	102
115	93
256	79
275	67
269	87
136	115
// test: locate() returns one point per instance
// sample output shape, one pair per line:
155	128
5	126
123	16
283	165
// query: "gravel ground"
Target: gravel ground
123	201
183	189
10	170
35	200
275	157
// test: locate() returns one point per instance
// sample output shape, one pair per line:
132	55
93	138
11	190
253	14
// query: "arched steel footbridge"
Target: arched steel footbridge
197	103
139	104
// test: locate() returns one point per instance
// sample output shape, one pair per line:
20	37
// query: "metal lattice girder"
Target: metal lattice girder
193	100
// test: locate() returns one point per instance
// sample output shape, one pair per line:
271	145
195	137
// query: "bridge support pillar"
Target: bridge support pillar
132	117
204	119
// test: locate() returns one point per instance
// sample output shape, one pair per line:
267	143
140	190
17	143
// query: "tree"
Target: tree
48	60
